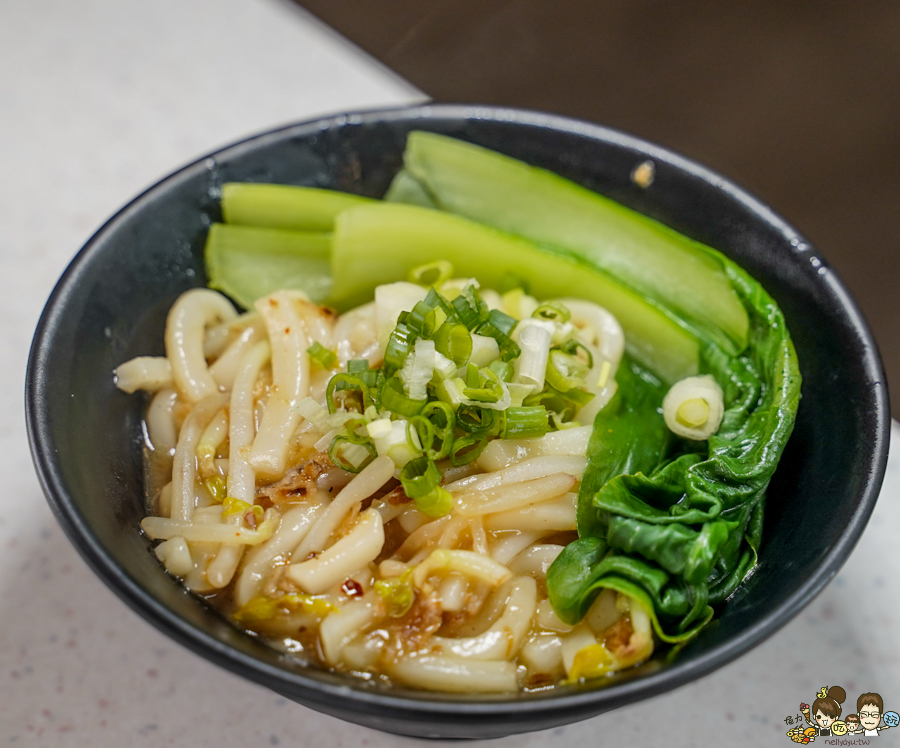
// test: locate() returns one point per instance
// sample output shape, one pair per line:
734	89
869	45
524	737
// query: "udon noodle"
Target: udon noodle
280	492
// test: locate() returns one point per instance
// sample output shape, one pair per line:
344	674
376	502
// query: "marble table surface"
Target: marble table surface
100	98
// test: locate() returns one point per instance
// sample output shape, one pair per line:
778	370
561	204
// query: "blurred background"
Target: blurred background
799	101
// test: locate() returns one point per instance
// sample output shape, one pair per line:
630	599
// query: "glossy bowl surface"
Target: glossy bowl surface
111	304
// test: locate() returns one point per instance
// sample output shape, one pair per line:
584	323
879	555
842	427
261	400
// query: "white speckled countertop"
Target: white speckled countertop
98	99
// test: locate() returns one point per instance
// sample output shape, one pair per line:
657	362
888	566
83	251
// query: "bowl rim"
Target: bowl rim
432	704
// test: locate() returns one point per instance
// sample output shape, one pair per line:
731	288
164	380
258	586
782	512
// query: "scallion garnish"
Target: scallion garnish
322	356
432	274
346	382
524	423
553	311
453	341
395	400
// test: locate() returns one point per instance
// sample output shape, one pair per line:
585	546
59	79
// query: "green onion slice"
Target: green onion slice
334	452
553	311
419	477
346	382
399	346
322	356
467	449
394	399
443	423
524	423
478	421
453	341
432	273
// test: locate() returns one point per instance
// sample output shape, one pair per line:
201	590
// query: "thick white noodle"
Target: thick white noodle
175	556
501	453
162	528
241	481
535	560
290	382
372	477
470	563
536	467
225	368
422	536
579	638
543	653
355	335
455	675
184	470
452	592
185	326
339	562
161	422
149	373
210	441
504	638
219	337
557	515
546	618
477	503
242	424
295	523
510	544
342	626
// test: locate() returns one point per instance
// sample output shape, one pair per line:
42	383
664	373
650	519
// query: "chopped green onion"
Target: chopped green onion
501	321
443	422
467	449
425	431
359	367
419	477
502	369
436	301
346	382
357	455
498	326
322	356
395	400
423	319
397	592
436	504
352	433
524	423
453	341
465	313
484	387
564	372
398	348
432	274
572	347
553	311
478	421
554	401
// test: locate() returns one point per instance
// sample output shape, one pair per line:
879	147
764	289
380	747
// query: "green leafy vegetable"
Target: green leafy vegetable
541	206
282	206
676	528
248	263
379	243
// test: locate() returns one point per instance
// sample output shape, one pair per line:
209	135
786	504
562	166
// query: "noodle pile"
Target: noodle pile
283	504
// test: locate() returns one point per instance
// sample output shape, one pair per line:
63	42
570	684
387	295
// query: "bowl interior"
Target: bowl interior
111	305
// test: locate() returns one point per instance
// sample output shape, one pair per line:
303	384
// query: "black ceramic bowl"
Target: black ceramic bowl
111	304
